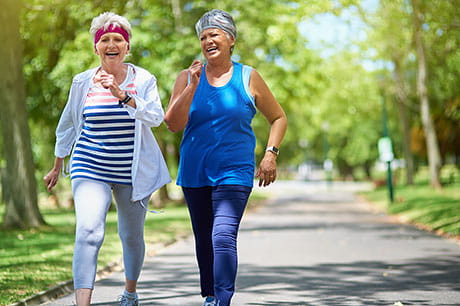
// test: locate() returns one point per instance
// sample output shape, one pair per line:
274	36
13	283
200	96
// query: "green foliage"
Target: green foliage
390	38
313	89
347	113
327	99
164	42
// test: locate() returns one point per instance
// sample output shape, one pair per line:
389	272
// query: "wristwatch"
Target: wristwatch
128	98
273	149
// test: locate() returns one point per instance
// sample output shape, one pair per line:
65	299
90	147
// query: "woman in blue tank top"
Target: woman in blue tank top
215	103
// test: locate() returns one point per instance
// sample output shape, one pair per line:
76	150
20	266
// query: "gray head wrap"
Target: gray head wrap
216	19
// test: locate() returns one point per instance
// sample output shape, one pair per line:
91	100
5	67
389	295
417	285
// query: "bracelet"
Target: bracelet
125	100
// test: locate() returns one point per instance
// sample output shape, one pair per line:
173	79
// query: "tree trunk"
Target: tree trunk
402	102
163	192
434	158
367	167
177	13
18	178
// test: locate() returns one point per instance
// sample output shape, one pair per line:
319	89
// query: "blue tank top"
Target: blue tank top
218	143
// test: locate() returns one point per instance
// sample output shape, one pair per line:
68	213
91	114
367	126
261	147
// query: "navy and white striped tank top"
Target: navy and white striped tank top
104	150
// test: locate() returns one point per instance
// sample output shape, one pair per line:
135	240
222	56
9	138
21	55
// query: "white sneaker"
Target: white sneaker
128	301
209	301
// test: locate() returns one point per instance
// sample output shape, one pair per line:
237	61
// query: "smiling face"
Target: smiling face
112	48
216	43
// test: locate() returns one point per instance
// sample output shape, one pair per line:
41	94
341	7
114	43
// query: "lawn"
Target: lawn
436	210
35	260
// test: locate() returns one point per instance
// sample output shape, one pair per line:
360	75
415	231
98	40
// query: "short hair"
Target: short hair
216	19
106	19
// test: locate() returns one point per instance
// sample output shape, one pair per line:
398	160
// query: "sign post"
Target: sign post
386	155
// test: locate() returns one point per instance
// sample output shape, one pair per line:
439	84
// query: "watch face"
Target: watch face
273	149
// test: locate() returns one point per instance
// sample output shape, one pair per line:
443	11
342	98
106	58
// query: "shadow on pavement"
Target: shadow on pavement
356	283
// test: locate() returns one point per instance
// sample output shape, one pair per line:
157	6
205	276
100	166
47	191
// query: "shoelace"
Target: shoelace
127	301
209	302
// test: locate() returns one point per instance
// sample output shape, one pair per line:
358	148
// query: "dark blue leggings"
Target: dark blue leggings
216	214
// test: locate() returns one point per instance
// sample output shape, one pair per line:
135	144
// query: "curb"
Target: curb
47	295
400	219
66	287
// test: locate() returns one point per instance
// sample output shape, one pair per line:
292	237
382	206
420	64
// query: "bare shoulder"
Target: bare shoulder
257	84
255	73
182	78
182	74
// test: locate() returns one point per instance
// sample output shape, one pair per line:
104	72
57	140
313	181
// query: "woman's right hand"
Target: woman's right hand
195	71
51	179
176	115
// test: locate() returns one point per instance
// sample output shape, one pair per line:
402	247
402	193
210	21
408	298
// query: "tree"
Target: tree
434	159
350	105
164	42
390	36
419	43
18	178
402	101
441	36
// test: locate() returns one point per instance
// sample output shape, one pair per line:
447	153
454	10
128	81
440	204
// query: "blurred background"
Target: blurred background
347	72
371	90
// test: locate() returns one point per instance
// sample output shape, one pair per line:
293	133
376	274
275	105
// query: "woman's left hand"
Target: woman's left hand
267	170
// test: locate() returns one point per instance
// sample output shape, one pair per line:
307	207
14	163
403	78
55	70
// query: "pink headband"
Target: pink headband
111	29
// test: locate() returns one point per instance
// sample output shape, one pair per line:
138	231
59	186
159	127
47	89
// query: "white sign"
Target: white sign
328	165
385	149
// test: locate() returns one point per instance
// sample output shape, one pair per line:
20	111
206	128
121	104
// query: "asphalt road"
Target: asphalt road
314	245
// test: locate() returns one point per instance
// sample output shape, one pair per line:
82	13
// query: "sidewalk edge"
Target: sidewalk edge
66	287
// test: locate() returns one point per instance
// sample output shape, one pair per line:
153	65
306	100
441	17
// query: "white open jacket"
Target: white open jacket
149	171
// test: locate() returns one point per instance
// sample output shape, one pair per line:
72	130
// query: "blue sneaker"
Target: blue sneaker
209	301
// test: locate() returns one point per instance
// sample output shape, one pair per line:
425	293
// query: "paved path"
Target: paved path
311	245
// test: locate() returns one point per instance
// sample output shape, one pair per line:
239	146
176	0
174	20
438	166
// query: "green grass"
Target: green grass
437	210
35	260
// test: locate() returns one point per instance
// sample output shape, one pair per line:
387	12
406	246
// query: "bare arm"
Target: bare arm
176	116
272	110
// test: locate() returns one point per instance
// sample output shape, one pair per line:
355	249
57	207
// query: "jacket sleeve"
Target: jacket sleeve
148	104
65	131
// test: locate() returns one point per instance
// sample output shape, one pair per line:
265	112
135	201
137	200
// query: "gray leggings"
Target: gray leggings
92	201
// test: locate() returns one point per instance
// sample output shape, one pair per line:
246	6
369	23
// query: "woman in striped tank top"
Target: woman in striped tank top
106	128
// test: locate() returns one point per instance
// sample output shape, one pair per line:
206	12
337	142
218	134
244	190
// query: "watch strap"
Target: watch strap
125	100
273	149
